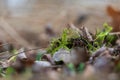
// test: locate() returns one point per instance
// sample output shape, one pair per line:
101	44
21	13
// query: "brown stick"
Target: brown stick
115	33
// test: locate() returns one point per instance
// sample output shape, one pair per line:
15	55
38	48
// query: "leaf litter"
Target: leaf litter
76	53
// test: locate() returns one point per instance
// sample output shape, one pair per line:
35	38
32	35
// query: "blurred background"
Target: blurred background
27	21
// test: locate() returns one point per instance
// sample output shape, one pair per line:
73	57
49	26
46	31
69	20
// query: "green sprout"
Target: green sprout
100	36
81	67
63	41
39	56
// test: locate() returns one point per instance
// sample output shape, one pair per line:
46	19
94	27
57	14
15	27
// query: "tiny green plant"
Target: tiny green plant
63	41
39	56
100	38
71	67
81	67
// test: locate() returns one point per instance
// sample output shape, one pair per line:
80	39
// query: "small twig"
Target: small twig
30	50
24	51
72	26
115	33
86	33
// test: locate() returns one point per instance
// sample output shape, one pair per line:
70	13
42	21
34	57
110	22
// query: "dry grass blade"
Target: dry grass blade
25	51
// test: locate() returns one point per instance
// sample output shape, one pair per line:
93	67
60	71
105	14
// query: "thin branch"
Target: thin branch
86	33
114	33
25	51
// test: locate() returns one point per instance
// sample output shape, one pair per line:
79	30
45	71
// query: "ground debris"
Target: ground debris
75	52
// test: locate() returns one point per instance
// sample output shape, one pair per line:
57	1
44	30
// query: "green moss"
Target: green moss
63	41
102	38
70	38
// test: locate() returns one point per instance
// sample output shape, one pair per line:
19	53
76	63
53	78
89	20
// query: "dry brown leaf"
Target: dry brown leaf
115	15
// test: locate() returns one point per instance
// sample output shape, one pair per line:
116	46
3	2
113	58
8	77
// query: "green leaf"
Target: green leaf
105	31
100	36
2	73
81	67
10	71
71	67
39	56
13	58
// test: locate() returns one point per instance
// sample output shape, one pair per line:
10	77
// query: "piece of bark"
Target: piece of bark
48	58
85	33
